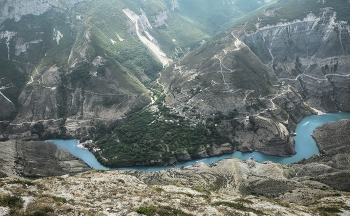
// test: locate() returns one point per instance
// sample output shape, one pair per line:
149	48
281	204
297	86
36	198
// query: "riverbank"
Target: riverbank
37	159
305	146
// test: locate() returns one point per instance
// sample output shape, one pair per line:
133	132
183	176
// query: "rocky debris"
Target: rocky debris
123	193
4	211
7	159
37	159
160	19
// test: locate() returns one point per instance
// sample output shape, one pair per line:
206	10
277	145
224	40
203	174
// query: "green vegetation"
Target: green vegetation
238	206
43	211
161	211
13	202
60	199
121	181
81	75
144	138
200	189
325	210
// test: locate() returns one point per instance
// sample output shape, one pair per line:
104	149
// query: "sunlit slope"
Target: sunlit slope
219	76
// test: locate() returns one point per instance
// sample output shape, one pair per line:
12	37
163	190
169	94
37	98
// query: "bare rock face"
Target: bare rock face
272	138
7	107
12	9
131	196
309	53
333	138
38	159
160	19
332	166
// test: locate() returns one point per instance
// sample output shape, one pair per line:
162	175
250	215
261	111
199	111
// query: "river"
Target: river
305	146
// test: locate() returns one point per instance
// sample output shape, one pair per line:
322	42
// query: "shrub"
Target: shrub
59	199
121	181
14	202
159	189
47	209
200	189
329	209
189	195
238	206
147	210
241	200
40	213
161	211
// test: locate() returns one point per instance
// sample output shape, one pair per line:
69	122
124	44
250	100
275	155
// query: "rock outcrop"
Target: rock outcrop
38	159
308	50
177	192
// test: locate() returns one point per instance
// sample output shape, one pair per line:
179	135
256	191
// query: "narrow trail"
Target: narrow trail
157	80
3	88
246	96
6	97
315	77
223	76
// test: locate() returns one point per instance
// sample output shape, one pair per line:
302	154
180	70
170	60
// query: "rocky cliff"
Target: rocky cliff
307	47
38	159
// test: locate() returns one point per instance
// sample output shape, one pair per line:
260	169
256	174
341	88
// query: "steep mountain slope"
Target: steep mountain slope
224	85
77	64
37	159
306	43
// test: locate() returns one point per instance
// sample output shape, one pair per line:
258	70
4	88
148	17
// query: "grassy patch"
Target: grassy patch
241	200
159	189
238	206
59	199
13	202
161	211
325	211
201	190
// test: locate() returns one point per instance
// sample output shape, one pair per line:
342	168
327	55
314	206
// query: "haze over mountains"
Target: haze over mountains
159	82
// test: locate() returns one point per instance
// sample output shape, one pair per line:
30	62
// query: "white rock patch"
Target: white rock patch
141	24
119	38
8	35
15	10
4	211
174	5
57	35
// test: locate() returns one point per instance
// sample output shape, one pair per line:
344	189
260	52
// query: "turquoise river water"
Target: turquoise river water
305	146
